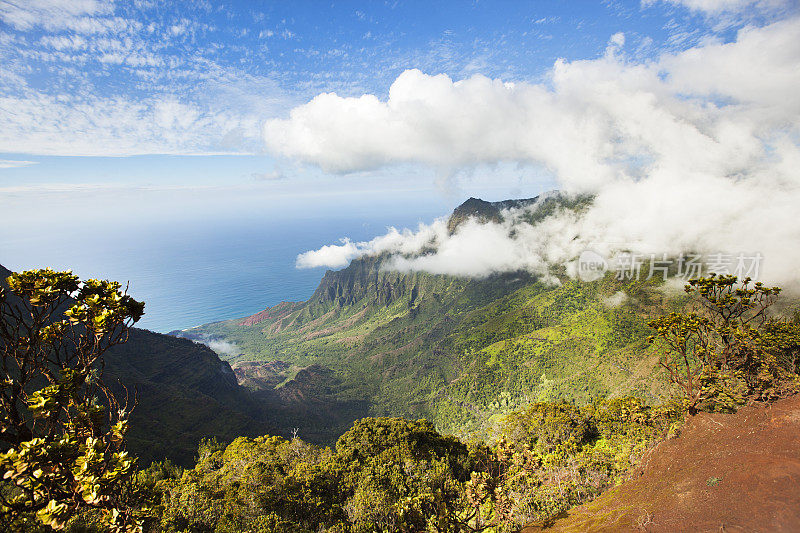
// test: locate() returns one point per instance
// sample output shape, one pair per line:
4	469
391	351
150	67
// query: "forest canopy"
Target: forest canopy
63	431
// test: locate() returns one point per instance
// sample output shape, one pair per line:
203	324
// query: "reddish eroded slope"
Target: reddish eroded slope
280	310
727	473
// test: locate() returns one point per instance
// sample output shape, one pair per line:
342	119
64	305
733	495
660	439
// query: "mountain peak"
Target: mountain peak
488	211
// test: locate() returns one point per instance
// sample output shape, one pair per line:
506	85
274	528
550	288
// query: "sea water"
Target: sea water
201	269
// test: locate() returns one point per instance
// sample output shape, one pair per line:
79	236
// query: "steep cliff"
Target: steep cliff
183	393
459	351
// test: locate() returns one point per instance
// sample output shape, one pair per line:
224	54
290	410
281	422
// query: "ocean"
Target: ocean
201	268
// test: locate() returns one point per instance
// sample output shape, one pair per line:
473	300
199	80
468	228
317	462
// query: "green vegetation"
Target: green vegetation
183	393
62	448
392	474
459	352
537	456
547	455
424	402
728	349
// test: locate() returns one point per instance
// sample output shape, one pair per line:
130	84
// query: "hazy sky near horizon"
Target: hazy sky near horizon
116	111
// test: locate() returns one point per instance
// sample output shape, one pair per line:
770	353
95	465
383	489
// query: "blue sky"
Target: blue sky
164	104
290	51
148	77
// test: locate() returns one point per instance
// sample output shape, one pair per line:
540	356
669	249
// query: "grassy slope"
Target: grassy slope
459	352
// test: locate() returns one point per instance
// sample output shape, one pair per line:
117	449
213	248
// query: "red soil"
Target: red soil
277	311
729	473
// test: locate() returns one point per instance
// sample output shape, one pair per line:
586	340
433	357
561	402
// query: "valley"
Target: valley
399	267
461	352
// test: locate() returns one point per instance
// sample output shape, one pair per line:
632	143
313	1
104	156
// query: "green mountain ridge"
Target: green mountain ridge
375	342
458	351
183	393
507	355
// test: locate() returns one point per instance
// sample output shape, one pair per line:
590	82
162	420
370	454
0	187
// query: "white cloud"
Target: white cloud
616	299
221	347
51	14
8	163
720	6
395	241
115	87
42	124
592	122
273	175
474	250
64	42
695	150
333	256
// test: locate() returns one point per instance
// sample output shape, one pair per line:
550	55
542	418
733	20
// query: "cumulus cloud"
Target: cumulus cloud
590	123
474	249
404	242
333	255
696	150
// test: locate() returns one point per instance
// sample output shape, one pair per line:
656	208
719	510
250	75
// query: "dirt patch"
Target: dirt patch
262	375
727	473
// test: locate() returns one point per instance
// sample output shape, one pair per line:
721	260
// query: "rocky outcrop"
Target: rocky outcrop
365	281
485	211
